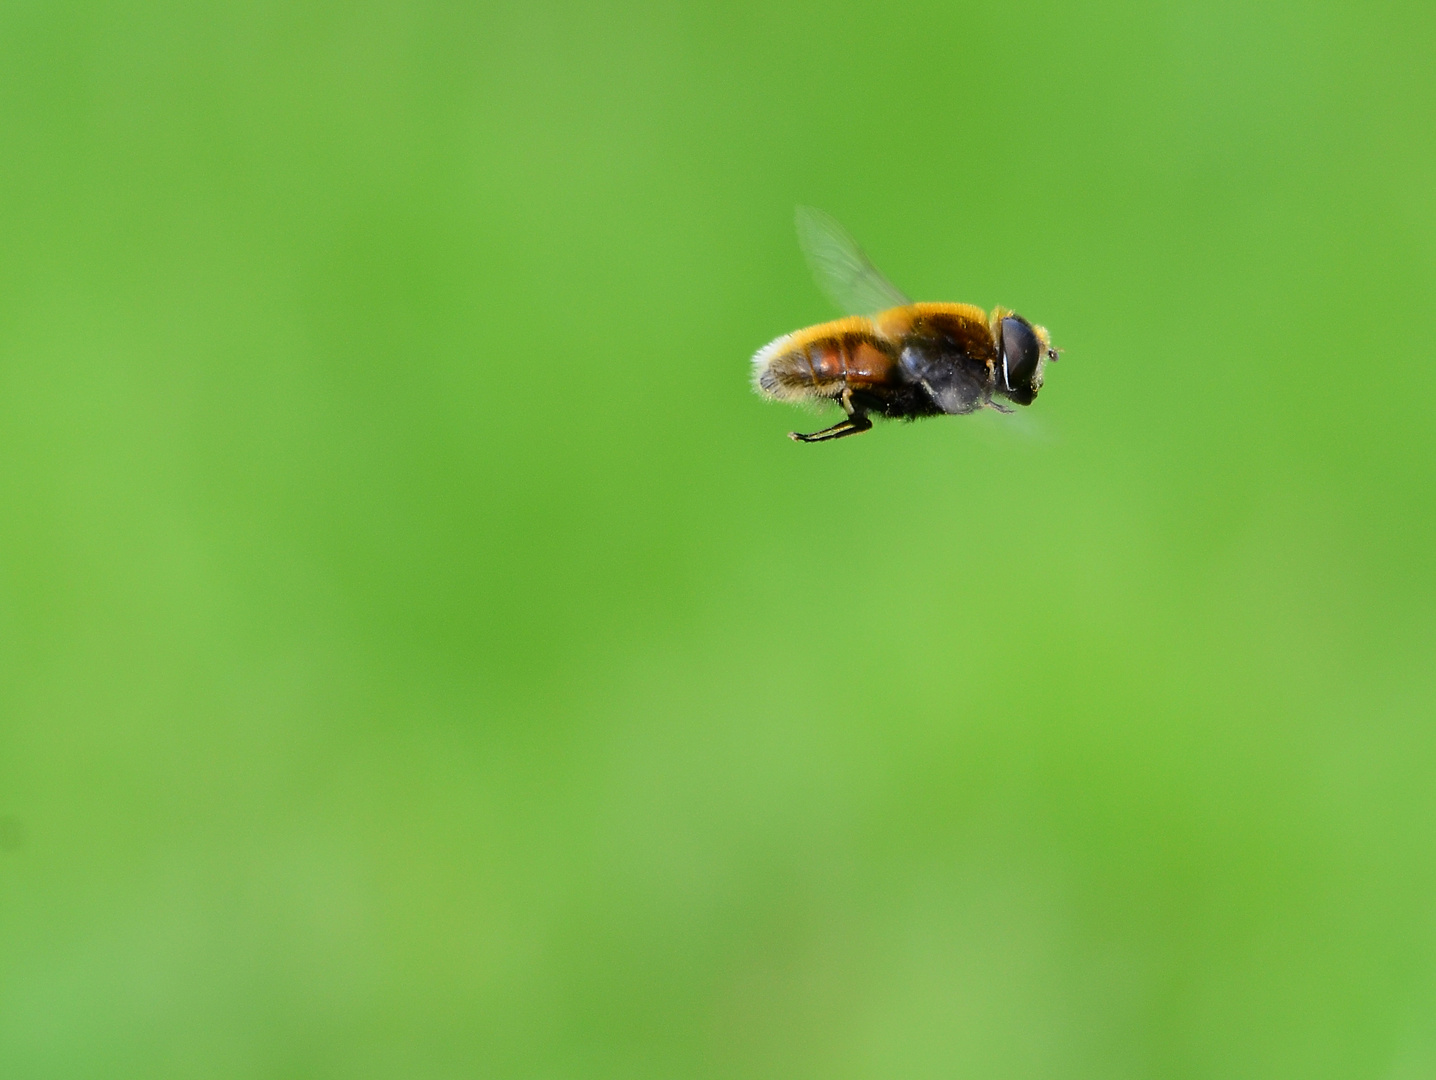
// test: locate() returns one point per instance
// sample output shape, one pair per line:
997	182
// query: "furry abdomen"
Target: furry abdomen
823	361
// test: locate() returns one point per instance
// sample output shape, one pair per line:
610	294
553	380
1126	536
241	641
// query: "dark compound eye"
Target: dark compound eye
1019	352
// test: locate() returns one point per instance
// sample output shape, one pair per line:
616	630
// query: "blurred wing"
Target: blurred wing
1019	425
846	276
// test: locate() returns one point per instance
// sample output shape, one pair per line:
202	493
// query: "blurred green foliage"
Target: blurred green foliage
421	655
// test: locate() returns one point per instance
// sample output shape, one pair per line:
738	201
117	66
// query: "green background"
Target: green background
421	654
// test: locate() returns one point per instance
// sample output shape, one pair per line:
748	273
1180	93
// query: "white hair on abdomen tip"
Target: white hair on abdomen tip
764	356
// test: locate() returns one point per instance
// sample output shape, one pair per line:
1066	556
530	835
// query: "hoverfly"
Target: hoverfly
891	357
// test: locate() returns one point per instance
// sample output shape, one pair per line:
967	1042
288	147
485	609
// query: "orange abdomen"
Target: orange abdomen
823	361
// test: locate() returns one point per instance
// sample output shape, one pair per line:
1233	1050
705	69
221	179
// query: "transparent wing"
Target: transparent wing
1018	426
847	276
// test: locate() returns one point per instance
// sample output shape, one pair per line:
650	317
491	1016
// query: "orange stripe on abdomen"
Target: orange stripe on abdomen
821	361
847	360
830	362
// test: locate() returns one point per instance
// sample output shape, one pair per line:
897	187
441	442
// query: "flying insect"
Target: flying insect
890	357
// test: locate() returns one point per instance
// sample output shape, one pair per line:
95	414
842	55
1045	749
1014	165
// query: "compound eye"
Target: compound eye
1019	352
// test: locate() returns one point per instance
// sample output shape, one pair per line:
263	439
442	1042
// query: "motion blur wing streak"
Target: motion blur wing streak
846	276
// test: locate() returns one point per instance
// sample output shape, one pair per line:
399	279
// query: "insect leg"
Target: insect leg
852	426
856	423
